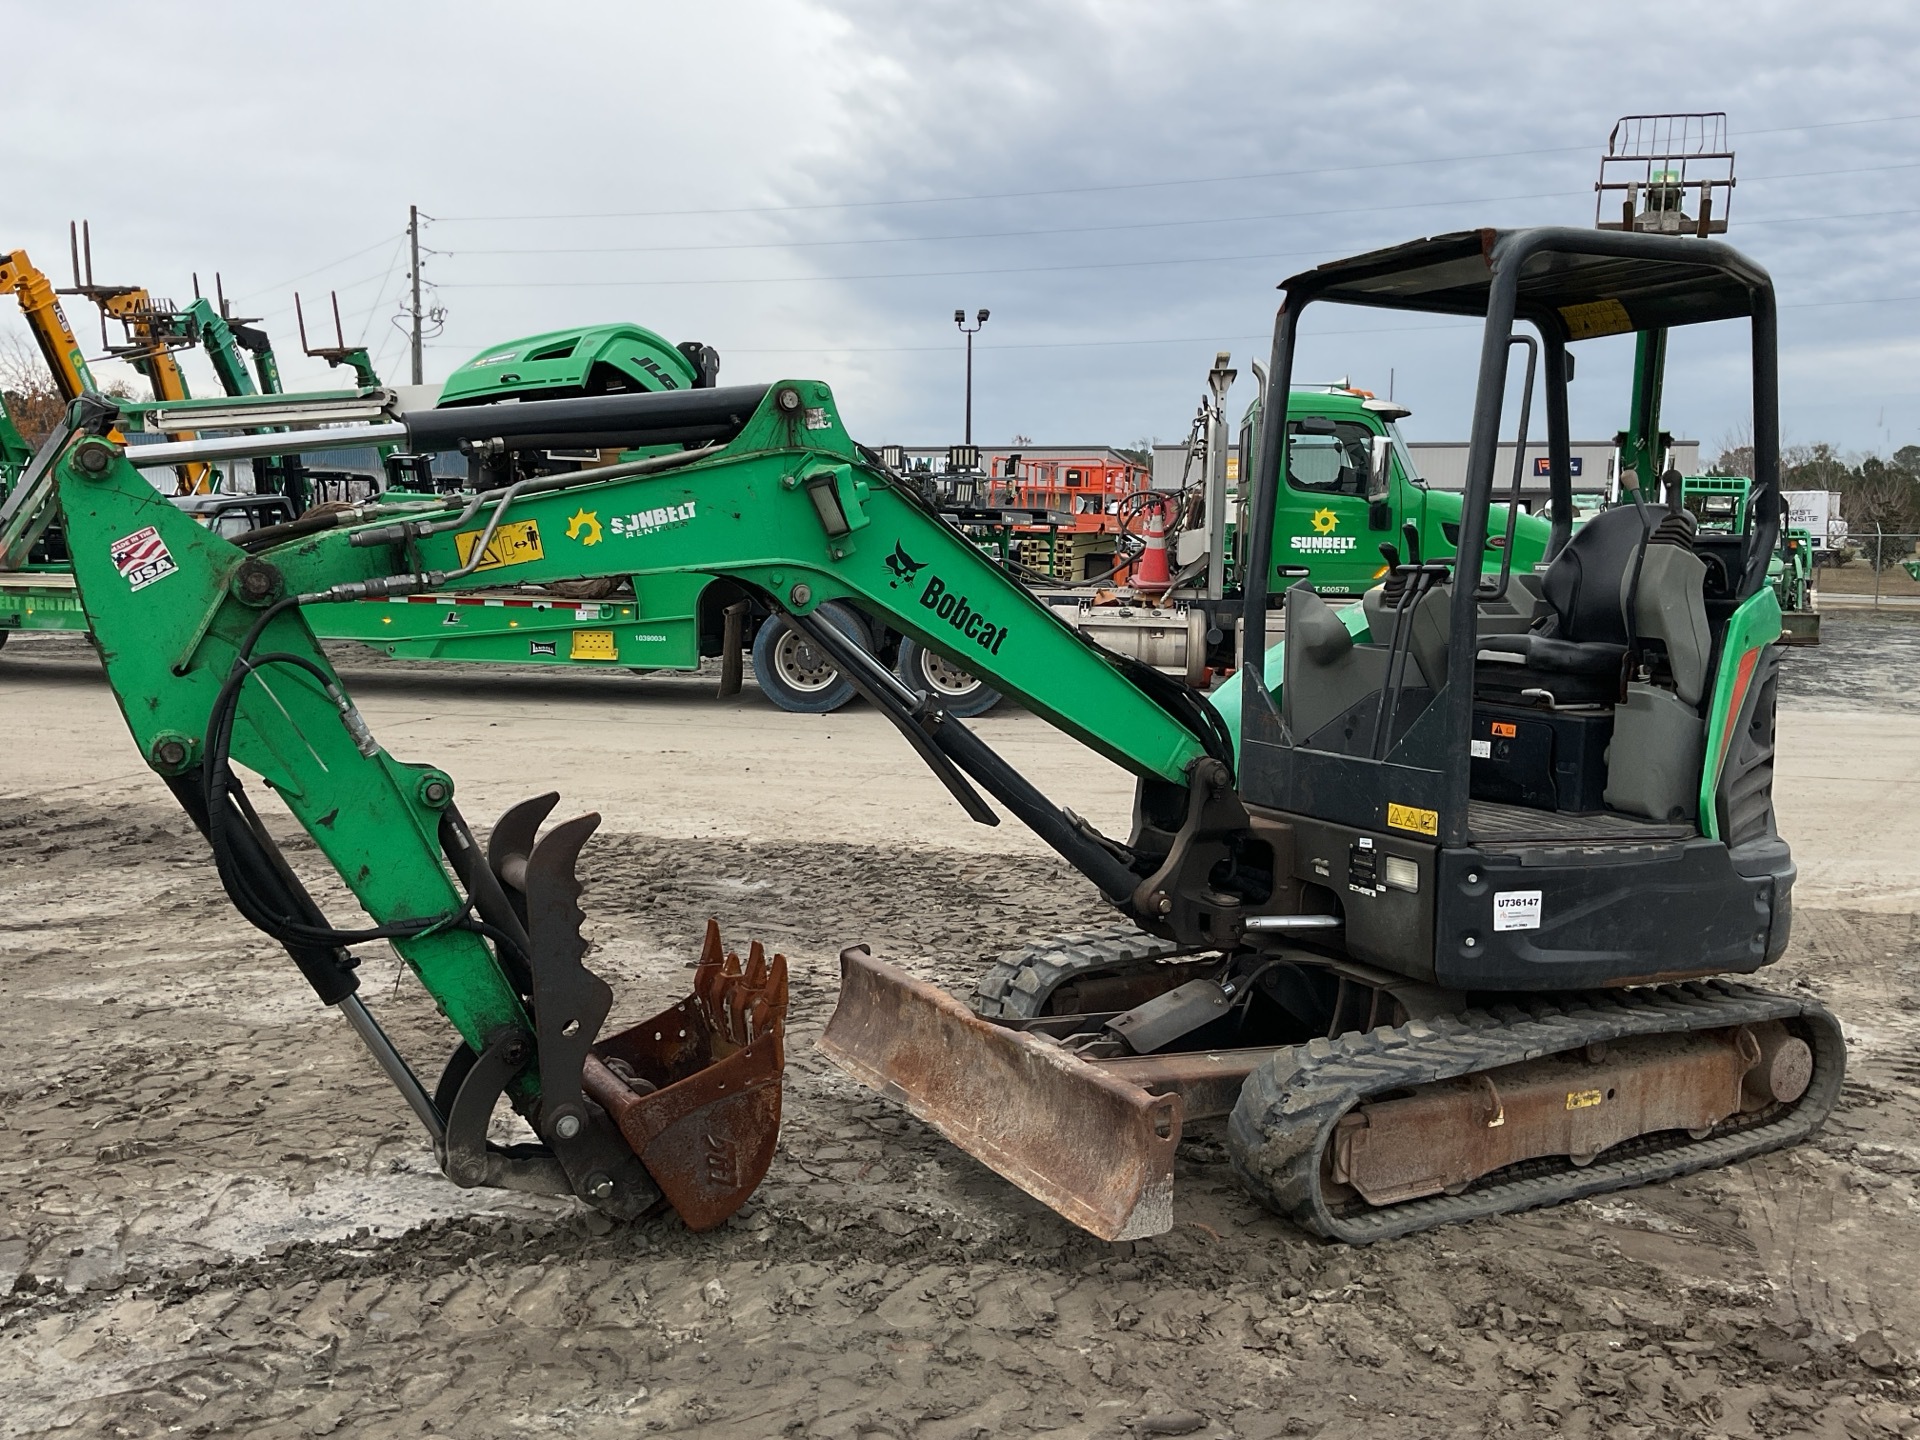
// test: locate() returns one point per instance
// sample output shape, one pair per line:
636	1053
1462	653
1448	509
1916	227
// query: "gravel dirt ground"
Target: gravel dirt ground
217	1219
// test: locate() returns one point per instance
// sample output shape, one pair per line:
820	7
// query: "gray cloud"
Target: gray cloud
1110	291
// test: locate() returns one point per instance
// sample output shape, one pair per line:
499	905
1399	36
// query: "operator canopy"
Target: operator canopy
1582	283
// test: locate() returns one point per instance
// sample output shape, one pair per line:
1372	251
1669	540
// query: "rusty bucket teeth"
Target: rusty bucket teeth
706	1132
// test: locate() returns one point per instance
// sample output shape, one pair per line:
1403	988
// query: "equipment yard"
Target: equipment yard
218	1217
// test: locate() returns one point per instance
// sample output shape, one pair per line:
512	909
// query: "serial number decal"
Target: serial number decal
515	543
646	522
1516	909
1412	817
957	612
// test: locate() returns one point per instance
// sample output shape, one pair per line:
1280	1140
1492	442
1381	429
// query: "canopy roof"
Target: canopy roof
1587	282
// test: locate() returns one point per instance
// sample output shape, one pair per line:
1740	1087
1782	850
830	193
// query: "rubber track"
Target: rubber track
1287	1110
1018	984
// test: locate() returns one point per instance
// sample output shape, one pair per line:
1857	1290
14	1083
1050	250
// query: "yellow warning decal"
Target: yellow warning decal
593	645
1596	317
1412	817
1583	1099
515	543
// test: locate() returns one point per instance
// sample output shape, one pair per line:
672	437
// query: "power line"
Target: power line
1135	225
355	255
1021	269
1106	189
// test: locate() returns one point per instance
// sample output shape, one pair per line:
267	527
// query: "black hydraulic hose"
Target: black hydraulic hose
641	418
327	968
252	870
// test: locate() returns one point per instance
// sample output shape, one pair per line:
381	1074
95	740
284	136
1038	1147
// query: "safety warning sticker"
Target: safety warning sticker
1516	910
142	558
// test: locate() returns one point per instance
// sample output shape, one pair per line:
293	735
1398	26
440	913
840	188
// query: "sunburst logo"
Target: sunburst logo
584	526
1325	522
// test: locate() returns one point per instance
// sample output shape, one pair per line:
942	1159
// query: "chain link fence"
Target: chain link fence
1874	566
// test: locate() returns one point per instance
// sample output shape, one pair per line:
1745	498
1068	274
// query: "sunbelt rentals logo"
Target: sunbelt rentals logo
1323	541
646	522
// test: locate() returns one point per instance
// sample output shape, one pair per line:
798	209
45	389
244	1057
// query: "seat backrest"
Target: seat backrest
1671	607
1583	584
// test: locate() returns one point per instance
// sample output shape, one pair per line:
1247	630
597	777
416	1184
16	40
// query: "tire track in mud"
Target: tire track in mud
265	1250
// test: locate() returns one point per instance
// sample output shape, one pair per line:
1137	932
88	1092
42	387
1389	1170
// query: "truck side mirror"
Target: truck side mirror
1379	486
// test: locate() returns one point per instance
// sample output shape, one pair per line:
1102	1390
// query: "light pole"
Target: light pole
960	319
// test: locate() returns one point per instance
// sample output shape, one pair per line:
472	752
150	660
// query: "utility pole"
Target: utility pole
413	242
960	319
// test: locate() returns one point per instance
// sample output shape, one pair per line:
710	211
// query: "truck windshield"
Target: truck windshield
1404	456
1335	463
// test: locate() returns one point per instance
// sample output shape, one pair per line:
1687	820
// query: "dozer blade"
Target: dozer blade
696	1089
1096	1149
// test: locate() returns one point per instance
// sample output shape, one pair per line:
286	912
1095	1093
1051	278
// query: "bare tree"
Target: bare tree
33	402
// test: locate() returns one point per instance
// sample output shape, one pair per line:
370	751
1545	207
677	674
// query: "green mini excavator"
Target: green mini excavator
1440	905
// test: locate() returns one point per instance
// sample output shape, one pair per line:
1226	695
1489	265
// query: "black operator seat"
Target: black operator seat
1575	651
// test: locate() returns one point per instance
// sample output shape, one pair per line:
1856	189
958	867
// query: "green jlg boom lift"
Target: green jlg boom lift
1442	908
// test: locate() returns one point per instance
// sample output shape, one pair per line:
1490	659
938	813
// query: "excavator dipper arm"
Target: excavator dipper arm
216	671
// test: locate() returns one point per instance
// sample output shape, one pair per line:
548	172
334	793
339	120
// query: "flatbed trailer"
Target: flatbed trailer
502	627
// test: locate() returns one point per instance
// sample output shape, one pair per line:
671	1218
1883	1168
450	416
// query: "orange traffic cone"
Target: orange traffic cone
1152	577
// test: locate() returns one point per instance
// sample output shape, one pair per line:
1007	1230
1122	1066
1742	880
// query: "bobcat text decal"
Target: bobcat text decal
955	610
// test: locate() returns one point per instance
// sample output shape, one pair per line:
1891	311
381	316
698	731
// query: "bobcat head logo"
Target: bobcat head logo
903	566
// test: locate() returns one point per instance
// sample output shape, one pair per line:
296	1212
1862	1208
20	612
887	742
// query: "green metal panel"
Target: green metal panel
156	589
565	362
1750	629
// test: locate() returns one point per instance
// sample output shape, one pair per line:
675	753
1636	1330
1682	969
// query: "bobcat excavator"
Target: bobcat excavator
1437	907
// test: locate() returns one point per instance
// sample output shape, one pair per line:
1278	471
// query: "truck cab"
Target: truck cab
1351	485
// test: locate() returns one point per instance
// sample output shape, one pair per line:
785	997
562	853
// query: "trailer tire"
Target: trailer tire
793	674
959	692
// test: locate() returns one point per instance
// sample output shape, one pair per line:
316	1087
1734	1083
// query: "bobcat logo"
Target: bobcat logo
903	566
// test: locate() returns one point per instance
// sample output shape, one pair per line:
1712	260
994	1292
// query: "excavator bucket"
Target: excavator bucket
1095	1148
696	1089
692	1094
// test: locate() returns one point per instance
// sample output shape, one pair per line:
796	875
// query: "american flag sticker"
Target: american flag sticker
142	558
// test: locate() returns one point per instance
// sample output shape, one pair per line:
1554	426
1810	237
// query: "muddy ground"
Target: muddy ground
217	1219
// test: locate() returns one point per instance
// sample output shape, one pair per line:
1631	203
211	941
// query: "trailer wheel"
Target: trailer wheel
961	693
796	674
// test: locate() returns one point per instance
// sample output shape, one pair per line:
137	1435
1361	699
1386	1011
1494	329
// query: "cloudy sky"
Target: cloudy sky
815	187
